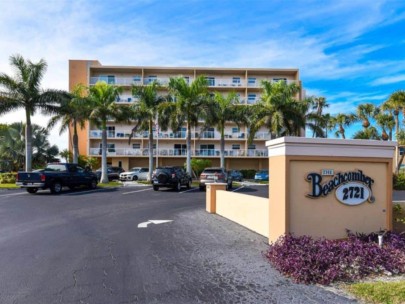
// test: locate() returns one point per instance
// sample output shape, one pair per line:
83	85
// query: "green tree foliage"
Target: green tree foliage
198	165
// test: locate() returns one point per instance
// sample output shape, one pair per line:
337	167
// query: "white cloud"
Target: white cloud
388	80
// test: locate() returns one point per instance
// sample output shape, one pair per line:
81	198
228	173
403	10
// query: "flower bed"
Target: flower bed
323	261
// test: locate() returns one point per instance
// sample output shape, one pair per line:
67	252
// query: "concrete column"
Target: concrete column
211	197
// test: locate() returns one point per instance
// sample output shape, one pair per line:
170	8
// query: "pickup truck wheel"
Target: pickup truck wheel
156	188
178	186
32	190
188	184
93	184
56	187
135	178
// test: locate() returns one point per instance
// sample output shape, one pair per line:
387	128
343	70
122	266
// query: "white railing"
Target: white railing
216	82
180	152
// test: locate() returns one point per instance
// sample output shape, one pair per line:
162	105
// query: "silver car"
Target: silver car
215	175
134	174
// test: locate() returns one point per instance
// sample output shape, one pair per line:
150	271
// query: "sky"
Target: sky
348	51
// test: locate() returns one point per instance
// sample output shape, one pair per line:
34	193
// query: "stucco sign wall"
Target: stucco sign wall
322	187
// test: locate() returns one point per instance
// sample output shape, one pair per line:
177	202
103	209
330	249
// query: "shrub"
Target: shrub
8	178
399	181
248	174
323	261
398	213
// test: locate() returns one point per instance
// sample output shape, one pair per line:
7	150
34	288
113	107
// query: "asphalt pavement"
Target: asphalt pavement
86	247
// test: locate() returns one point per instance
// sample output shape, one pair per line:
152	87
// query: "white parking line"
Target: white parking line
12	194
137	191
238	188
189	190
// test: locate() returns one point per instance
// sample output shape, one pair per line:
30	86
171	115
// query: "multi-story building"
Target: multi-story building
170	145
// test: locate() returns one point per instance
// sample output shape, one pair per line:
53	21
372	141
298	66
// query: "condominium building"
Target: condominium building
170	145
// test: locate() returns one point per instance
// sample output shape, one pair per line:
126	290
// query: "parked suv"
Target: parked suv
171	177
215	175
134	174
113	173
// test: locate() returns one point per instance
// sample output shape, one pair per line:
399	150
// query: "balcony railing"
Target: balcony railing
180	152
216	82
94	134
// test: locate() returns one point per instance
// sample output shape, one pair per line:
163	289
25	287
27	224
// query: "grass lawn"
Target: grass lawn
8	186
379	292
109	185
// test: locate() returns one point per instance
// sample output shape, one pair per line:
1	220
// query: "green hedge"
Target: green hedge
8	178
399	181
248	174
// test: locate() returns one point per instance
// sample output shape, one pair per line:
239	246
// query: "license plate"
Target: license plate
155	182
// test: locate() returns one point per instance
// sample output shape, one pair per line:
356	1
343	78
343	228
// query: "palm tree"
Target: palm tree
318	105
72	111
367	133
385	121
24	91
145	112
221	110
102	98
365	112
190	100
66	154
342	120
396	103
278	110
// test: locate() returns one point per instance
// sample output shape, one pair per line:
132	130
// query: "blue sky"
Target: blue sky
350	52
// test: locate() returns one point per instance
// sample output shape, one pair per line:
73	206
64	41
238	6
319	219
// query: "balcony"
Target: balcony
179	152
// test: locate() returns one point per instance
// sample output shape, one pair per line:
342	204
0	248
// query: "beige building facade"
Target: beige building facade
170	145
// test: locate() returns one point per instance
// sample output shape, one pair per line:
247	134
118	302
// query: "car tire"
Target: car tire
230	186
188	184
32	190
135	178
178	186
155	188
56	187
93	184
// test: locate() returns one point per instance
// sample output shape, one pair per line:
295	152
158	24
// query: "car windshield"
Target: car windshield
212	171
135	169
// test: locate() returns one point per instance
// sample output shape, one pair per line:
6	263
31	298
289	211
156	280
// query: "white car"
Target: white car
134	174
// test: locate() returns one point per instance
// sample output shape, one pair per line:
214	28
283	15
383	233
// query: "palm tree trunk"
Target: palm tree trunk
150	148
28	142
222	147
188	161
104	173
75	144
396	123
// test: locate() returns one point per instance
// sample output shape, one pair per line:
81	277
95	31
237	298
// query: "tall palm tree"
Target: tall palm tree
365	112
396	103
190	100
385	121
72	111
221	110
342	120
367	133
23	91
318	105
102	98
278	110
145	113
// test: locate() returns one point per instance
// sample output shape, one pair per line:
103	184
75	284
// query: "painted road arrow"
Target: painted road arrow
156	222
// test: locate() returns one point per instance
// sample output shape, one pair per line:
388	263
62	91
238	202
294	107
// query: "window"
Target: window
279	79
137	78
235	147
251	81
136	146
251	98
236	80
110	79
110	147
252	147
180	149
207	150
211	81
151	78
235	130
187	79
110	131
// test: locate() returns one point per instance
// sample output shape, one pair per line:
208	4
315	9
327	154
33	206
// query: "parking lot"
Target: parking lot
135	245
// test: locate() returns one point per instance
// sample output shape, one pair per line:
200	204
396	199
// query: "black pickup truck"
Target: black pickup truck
56	176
